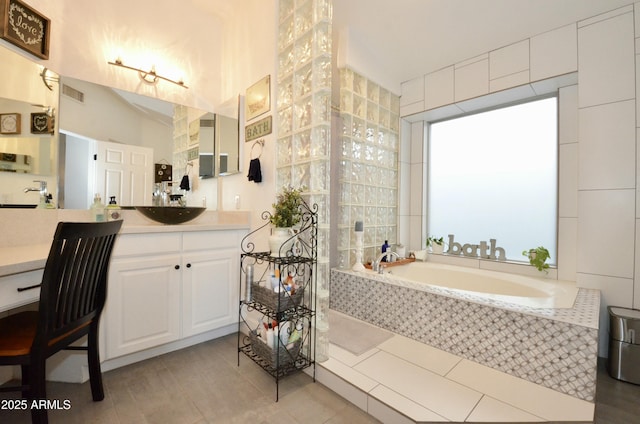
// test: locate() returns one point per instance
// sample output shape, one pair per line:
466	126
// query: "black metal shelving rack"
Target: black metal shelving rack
299	262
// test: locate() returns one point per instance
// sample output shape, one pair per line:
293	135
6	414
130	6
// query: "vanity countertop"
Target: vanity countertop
23	257
14	260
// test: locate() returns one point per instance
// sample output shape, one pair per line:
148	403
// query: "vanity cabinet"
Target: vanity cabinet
12	293
164	287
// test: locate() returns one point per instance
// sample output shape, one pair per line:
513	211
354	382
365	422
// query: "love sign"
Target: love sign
25	27
41	123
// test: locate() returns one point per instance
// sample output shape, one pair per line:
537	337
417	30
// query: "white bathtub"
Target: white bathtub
484	284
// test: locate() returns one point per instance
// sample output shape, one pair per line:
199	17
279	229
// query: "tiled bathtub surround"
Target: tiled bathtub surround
553	348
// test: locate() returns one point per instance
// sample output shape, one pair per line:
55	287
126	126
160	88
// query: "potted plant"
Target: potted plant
538	258
436	244
286	214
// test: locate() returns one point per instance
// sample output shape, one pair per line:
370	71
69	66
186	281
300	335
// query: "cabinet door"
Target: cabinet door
210	290
143	304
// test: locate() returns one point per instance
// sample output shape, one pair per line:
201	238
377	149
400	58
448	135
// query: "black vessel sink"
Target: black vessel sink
170	214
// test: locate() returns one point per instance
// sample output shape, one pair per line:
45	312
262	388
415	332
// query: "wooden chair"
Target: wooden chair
72	295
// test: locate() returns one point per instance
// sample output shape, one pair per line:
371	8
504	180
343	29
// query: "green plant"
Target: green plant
433	240
538	258
286	209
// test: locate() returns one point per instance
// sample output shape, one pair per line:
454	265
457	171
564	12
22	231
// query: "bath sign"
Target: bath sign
481	250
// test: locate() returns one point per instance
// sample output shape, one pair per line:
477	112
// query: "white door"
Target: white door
124	171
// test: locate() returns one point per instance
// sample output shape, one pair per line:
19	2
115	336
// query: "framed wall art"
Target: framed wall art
41	123
10	123
25	27
258	98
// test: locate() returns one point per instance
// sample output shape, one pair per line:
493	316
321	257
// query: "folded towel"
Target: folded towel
184	184
255	174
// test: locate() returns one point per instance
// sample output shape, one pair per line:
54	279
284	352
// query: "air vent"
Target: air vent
73	93
207	123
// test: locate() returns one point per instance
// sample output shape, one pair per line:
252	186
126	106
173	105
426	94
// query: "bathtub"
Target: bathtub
540	330
489	285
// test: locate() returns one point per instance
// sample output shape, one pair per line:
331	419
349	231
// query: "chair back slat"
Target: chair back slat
74	282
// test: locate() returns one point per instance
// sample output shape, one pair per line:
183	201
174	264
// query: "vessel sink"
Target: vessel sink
170	214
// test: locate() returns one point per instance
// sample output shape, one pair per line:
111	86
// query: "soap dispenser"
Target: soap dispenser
113	210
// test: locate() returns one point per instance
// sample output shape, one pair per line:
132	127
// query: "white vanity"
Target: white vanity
170	286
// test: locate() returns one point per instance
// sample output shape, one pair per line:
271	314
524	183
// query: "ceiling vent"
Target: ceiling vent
73	93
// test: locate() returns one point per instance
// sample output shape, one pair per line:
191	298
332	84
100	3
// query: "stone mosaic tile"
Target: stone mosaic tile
553	348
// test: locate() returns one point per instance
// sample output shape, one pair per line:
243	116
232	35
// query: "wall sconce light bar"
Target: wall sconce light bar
48	79
148	77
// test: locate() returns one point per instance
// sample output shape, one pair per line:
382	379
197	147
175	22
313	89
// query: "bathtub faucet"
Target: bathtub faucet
376	264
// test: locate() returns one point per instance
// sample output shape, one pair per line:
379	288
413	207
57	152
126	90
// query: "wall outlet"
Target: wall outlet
237	201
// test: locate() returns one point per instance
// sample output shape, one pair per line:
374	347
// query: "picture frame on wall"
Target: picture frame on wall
258	98
10	123
41	123
25	27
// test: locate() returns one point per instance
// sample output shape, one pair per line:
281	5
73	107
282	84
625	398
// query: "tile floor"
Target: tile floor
426	384
203	384
197	385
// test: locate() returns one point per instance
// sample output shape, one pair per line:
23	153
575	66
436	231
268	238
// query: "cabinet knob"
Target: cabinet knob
177	267
188	265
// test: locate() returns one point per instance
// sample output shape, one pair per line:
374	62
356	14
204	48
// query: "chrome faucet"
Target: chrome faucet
44	195
377	264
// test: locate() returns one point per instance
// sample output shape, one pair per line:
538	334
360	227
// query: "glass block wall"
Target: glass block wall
304	125
368	168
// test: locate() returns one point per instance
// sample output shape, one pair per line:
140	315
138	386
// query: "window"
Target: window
493	175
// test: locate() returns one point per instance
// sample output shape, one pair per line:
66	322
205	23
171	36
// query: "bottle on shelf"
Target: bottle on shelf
270	336
385	247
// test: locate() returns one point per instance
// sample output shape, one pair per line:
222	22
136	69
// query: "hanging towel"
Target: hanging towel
255	174
184	184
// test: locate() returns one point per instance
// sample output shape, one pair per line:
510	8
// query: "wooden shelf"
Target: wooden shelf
396	263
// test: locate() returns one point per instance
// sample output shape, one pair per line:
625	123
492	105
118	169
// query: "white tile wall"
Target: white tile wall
471	79
554	53
509	60
598	149
568	180
568	114
606	51
412	92
607	146
567	251
613	291
439	88
606	232
509	81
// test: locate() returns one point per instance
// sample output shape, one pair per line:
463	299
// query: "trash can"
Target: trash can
624	344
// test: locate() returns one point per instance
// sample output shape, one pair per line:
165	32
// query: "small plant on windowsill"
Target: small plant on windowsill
538	258
436	244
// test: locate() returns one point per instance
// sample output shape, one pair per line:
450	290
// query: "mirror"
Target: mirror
125	124
218	146
88	112
28	129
